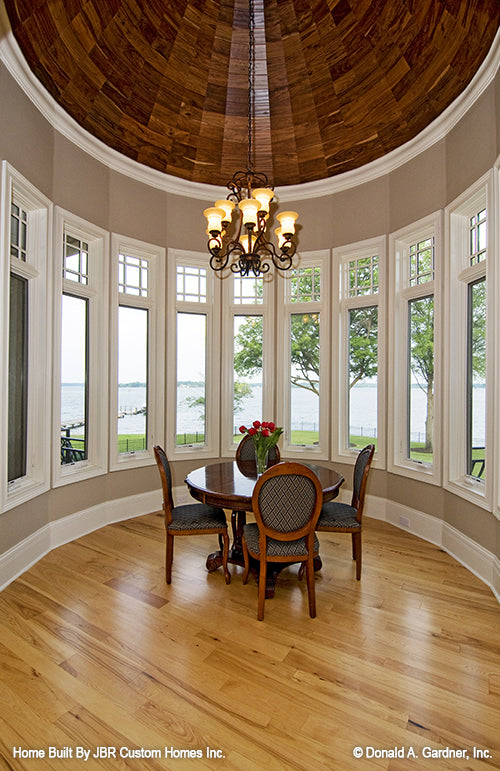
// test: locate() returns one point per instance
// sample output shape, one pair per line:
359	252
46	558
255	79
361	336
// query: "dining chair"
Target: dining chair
286	503
189	519
338	517
245	451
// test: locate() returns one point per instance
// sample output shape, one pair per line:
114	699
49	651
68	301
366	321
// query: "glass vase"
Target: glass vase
261	454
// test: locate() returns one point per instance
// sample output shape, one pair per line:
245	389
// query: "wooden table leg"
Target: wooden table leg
214	560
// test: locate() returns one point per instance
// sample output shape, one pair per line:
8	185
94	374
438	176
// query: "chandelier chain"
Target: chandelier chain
251	79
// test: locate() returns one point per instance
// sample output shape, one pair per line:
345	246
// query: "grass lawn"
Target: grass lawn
137	442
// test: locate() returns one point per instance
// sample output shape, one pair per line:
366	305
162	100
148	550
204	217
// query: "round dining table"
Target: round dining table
230	485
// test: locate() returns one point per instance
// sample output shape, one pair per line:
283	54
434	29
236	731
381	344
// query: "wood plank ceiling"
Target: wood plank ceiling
339	83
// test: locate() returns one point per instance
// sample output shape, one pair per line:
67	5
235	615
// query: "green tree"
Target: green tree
363	344
422	357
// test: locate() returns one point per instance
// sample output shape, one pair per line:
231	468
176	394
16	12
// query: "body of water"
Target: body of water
363	409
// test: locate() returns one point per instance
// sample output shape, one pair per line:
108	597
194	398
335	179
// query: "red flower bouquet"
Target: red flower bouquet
264	436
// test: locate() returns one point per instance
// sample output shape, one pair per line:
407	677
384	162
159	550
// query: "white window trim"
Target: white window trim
340	343
399	296
96	291
211	308
39	209
494	294
155	256
310	453
230	309
457	279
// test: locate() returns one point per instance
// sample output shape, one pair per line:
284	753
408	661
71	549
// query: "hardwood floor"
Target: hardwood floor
97	651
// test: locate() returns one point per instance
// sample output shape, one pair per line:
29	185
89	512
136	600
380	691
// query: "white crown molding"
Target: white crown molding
13	59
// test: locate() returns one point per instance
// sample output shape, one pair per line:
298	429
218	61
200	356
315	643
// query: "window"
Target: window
359	328
18	378
247	332
414	366
193	356
80	386
25	331
305	345
476	384
137	324
74	360
469	437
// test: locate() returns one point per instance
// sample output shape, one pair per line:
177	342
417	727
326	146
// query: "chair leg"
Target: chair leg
262	589
311	589
225	553
301	570
356	548
169	556
246	560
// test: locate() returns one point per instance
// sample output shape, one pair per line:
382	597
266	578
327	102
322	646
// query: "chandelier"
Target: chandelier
249	251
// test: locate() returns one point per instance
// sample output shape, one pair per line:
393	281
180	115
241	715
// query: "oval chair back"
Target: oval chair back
166	482
245	452
360	478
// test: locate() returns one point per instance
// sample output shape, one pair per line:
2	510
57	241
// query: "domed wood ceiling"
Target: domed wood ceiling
339	83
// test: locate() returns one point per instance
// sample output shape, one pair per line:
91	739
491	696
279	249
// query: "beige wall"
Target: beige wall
79	183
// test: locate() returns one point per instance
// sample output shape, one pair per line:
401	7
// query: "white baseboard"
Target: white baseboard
23	555
481	562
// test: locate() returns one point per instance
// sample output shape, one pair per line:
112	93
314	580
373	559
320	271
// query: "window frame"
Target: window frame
97	294
459	276
312	453
343	304
35	270
210	308
152	302
400	296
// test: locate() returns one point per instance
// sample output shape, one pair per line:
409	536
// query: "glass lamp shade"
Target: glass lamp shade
264	195
287	222
248	243
214	217
227	207
249	208
281	237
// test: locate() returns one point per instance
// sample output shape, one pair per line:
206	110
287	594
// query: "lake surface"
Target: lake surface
363	409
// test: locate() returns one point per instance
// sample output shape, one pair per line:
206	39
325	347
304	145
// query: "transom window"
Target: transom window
248	290
133	275
306	285
18	232
363	276
421	266
191	284
76	259
477	237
